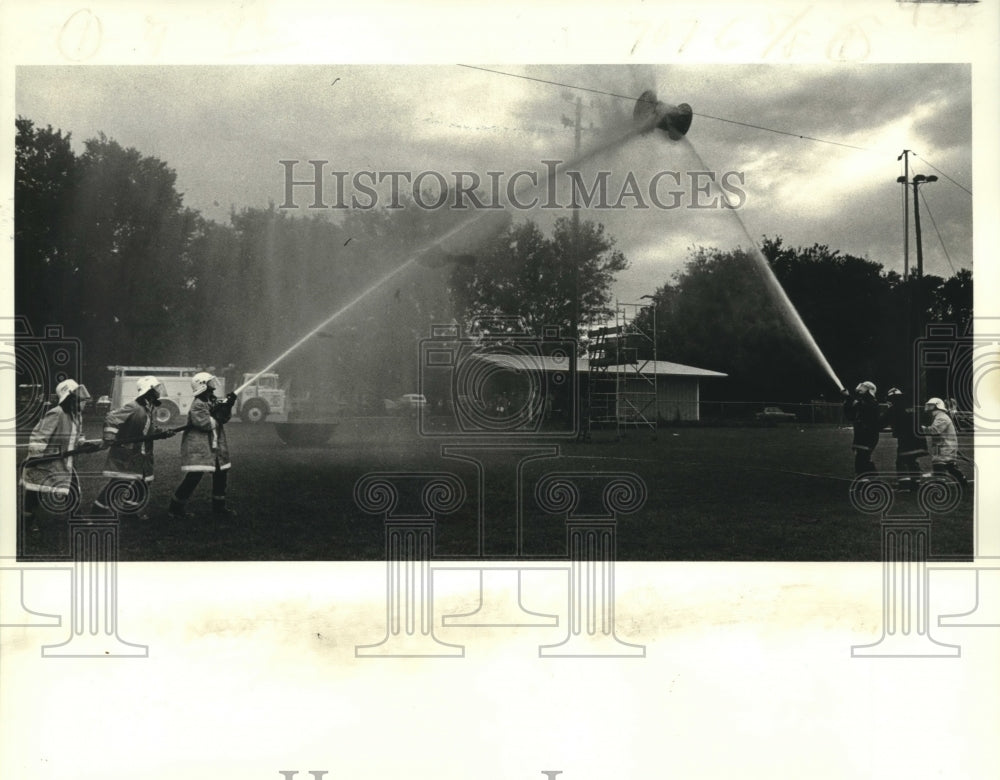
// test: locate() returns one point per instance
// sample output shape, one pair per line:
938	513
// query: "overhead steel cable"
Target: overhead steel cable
944	174
634	99
943	247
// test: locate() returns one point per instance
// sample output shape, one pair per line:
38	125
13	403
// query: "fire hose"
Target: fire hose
90	448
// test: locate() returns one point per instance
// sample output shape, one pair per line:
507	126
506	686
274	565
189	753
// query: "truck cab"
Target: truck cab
261	398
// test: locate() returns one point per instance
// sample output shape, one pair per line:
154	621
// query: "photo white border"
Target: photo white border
748	670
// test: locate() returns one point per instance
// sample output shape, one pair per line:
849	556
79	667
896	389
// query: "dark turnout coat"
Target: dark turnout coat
864	412
909	442
204	446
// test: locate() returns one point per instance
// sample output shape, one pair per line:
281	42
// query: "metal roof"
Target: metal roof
658	367
166	370
518	361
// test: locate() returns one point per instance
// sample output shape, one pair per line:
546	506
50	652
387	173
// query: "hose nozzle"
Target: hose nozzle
650	113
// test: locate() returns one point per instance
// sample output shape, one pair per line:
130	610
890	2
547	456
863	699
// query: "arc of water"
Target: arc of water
774	285
616	139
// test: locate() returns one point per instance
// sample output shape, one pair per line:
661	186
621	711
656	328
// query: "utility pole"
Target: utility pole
905	180
908	345
580	404
576	227
916	227
578	401
577	124
917	181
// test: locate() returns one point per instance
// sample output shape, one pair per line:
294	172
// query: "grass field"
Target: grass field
748	493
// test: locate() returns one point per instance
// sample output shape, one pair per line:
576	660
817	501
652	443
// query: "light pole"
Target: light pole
576	124
917	181
904	180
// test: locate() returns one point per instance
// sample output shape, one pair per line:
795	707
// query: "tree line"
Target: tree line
105	247
718	312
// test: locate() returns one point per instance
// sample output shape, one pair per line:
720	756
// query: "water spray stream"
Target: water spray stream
631	131
771	281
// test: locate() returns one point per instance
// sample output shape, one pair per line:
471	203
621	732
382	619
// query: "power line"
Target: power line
704	116
553	83
636	99
943	174
785	132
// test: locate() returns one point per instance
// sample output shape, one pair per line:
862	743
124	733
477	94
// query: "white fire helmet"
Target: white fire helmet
893	392
146	383
935	403
70	387
203	381
865	387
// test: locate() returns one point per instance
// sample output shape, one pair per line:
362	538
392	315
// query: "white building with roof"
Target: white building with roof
651	389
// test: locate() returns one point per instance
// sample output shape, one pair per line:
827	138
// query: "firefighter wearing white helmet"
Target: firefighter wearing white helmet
59	431
944	439
202	381
204	448
129	432
863	411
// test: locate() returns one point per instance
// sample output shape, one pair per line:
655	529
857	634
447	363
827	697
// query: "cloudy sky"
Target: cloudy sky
812	148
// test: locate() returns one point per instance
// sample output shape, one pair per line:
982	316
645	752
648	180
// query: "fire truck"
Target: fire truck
261	398
177	396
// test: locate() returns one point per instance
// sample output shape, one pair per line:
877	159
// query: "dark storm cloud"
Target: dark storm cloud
224	129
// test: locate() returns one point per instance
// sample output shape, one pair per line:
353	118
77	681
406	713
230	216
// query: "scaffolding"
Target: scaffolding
621	380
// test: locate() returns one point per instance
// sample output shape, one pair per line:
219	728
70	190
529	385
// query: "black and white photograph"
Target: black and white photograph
541	255
355	399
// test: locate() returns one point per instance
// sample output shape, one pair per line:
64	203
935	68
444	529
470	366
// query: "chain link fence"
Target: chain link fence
757	413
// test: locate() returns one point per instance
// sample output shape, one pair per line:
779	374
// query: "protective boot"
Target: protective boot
177	510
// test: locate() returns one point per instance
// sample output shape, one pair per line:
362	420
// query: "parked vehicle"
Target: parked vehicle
412	401
103	405
409	403
263	397
774	414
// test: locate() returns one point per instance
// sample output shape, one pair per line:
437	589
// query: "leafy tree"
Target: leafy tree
129	237
720	312
101	246
523	273
45	171
952	300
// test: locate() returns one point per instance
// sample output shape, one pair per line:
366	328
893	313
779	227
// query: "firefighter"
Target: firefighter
944	440
59	431
863	410
204	449
910	446
129	432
